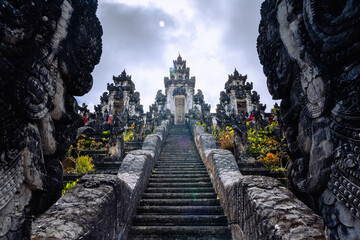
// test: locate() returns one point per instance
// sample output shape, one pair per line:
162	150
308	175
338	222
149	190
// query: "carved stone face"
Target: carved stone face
48	51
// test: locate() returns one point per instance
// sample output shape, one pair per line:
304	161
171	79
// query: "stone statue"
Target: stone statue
310	52
116	139
241	142
48	50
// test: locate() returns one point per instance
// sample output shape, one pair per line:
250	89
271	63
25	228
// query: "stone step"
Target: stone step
182	220
176	172
182	230
181	162
178	237
178	149
175	168
183	175
179	202
178	157
166	210
179	195
179	184
179	180
179	165
179	189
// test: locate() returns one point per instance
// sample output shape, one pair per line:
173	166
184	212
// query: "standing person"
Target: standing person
110	118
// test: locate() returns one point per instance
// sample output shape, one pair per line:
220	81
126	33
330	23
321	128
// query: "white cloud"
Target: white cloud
213	36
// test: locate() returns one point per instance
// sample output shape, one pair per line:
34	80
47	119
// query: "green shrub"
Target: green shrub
106	134
68	186
226	139
84	165
267	147
129	133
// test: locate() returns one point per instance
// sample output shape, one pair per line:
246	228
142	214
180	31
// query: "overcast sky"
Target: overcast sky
145	36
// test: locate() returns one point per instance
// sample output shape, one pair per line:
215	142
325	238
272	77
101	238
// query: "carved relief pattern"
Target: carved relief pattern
310	52
48	50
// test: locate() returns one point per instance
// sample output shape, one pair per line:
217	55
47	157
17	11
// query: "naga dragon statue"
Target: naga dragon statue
310	51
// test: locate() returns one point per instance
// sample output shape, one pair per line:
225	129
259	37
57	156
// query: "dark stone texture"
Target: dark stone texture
133	175
200	112
90	210
152	143
48	50
256	207
310	52
269	211
158	112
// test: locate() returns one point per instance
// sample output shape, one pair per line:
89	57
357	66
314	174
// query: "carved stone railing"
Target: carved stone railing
257	207
101	206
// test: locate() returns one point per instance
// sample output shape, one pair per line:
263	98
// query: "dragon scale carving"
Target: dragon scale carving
310	52
48	50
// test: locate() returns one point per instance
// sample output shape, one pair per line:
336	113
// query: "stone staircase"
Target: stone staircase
179	202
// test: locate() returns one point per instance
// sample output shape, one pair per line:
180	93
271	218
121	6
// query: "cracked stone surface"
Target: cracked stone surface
91	204
270	211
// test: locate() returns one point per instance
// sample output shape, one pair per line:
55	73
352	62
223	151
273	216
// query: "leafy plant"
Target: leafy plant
86	142
267	146
84	165
201	124
215	132
226	139
68	186
106	134
129	133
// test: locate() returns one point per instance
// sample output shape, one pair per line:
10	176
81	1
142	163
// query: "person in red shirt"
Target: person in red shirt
110	118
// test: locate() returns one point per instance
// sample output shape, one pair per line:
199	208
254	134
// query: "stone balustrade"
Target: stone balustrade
257	207
101	206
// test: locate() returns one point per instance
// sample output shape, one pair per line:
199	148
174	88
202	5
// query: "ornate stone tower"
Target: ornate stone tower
238	99
120	93
239	91
121	99
179	89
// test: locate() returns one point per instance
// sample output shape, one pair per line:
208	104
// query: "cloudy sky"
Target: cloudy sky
145	36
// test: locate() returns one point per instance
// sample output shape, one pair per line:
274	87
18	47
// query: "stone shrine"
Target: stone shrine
158	112
310	53
238	101
179	90
201	110
122	100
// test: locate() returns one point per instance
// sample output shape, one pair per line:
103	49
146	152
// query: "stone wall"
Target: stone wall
256	207
268	210
101	206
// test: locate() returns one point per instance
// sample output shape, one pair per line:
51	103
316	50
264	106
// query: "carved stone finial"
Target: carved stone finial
236	73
